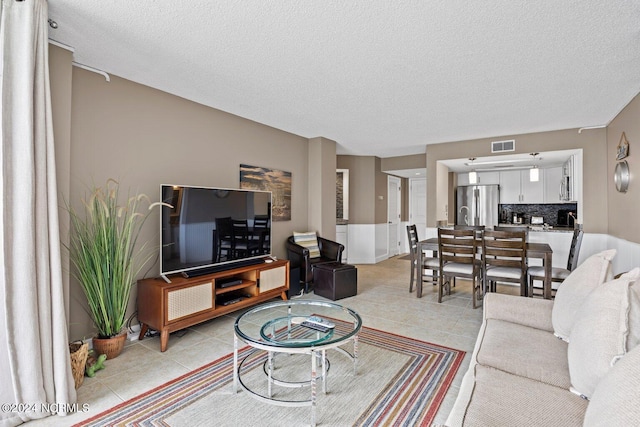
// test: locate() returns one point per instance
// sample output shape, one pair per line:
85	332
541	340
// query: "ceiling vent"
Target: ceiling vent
502	146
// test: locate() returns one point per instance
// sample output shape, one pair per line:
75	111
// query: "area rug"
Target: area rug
399	381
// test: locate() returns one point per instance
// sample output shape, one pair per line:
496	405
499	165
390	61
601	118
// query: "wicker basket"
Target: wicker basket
79	352
112	347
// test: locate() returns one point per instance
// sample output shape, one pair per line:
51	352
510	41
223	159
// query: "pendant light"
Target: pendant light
473	175
534	172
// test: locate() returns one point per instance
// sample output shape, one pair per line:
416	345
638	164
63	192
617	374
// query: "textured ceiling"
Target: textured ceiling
381	78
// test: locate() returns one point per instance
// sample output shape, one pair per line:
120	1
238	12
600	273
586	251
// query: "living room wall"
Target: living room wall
145	137
623	207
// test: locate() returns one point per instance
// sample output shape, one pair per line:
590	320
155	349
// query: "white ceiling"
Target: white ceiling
379	77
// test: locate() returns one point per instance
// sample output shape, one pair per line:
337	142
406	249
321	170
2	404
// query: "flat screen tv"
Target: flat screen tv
210	229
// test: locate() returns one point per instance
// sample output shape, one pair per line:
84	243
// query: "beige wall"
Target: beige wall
414	161
623	208
60	82
361	187
144	137
322	187
595	175
367	189
381	195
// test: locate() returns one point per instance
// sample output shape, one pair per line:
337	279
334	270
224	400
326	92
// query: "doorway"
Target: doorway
394	202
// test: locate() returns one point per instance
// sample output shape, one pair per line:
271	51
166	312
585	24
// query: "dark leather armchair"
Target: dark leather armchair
299	257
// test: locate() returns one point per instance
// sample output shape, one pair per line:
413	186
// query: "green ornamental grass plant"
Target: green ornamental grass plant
104	253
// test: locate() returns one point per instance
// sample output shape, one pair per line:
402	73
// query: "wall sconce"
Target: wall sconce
473	175
534	172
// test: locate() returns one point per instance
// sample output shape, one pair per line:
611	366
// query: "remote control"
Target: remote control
320	321
316	326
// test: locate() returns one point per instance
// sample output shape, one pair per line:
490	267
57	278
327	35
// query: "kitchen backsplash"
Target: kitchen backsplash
548	212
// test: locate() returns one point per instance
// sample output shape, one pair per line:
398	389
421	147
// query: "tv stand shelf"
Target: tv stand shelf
169	307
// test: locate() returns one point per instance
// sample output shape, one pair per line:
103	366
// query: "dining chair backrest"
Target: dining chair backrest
468	227
478	228
574	250
513	228
457	246
505	249
412	235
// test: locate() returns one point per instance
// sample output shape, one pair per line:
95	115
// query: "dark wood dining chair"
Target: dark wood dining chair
504	259
558	274
420	264
457	251
513	228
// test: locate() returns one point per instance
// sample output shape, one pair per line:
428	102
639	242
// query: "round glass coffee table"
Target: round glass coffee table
283	327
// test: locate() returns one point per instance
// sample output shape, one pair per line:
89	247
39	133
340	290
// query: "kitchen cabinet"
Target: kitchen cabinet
516	188
552	183
483	178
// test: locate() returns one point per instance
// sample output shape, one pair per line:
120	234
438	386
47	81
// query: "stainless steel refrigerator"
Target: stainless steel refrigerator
477	205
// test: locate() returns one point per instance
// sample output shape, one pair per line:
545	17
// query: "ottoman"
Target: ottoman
335	280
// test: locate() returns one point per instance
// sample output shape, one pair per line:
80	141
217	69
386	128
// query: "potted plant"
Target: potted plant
106	259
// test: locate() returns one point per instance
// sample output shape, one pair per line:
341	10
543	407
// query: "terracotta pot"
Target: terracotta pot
112	347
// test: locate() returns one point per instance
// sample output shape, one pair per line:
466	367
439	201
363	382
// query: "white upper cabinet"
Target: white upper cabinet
510	187
516	187
552	185
483	178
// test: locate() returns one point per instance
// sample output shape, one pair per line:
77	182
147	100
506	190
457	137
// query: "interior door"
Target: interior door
393	214
418	205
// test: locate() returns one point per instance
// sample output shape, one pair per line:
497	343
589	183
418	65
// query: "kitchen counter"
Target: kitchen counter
556	229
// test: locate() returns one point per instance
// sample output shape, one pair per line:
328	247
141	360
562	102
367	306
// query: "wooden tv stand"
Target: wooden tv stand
168	307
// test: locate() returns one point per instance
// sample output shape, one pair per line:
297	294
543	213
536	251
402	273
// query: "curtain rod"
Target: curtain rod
94	70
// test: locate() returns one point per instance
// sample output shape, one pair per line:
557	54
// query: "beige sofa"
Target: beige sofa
572	362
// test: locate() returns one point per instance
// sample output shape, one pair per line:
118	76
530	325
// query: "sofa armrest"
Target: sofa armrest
298	255
532	312
330	249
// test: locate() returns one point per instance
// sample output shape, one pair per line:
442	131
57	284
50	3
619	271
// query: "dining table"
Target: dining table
533	250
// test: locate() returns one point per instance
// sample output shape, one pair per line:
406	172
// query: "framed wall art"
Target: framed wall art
276	181
623	148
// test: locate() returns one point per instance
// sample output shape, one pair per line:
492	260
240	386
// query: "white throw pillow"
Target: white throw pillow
309	240
575	289
600	334
615	401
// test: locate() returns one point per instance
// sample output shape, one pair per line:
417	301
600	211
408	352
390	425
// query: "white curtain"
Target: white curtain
34	354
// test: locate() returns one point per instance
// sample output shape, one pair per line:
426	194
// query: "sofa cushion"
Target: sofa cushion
575	289
615	401
309	240
599	336
525	351
532	312
503	399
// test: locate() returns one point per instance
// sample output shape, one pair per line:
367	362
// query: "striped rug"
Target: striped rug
399	382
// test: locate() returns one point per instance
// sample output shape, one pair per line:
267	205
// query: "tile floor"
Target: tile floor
383	301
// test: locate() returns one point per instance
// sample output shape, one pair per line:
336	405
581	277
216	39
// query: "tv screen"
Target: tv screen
211	228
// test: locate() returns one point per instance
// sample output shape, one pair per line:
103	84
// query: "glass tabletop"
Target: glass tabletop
284	324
